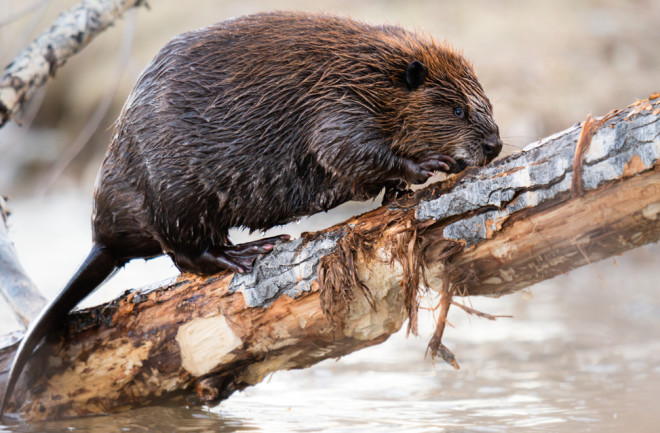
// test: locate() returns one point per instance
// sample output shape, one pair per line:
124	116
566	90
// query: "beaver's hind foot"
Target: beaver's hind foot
236	258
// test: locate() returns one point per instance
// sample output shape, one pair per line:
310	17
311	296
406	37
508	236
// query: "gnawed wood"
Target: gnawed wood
487	232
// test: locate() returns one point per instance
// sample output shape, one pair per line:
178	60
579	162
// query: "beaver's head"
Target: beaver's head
443	111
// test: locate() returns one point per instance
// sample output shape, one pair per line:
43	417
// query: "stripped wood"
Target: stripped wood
489	231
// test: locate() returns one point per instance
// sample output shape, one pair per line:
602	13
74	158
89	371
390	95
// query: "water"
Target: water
577	356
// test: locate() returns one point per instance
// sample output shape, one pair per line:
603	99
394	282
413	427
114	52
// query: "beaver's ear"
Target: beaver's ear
415	74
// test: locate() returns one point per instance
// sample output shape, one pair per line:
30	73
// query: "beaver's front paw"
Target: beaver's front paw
421	171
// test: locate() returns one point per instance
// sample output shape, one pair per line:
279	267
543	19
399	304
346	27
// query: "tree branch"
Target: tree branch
16	287
69	34
489	232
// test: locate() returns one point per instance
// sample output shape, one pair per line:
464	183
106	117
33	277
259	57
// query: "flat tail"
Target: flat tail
96	268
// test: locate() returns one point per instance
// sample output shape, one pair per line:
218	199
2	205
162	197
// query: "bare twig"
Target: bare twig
70	32
478	313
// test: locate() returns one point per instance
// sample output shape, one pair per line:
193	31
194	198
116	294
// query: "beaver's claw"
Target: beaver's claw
420	172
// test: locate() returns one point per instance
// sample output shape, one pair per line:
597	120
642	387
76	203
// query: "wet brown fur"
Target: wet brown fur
258	121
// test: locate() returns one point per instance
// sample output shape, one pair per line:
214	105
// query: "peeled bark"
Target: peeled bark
489	231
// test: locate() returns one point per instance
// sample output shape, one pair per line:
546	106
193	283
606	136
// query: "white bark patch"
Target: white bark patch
206	342
507	274
502	250
273	275
493	280
651	211
550	138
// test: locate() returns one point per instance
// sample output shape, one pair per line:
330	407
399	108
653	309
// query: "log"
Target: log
69	34
488	231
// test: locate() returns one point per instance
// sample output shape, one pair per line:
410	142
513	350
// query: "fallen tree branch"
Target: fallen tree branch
16	287
69	34
488	232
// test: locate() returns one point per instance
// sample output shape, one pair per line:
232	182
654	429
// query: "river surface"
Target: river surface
581	353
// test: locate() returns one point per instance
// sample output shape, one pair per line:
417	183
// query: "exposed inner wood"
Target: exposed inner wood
615	218
489	231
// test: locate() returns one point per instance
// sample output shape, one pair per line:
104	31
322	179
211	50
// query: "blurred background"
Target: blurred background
582	350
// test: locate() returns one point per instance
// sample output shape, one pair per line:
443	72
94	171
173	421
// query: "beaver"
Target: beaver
260	120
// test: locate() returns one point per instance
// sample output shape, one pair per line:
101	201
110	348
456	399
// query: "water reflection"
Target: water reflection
572	358
155	419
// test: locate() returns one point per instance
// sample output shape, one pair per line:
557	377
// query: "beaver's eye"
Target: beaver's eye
458	112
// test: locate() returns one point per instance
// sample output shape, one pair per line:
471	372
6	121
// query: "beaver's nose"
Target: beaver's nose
492	147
